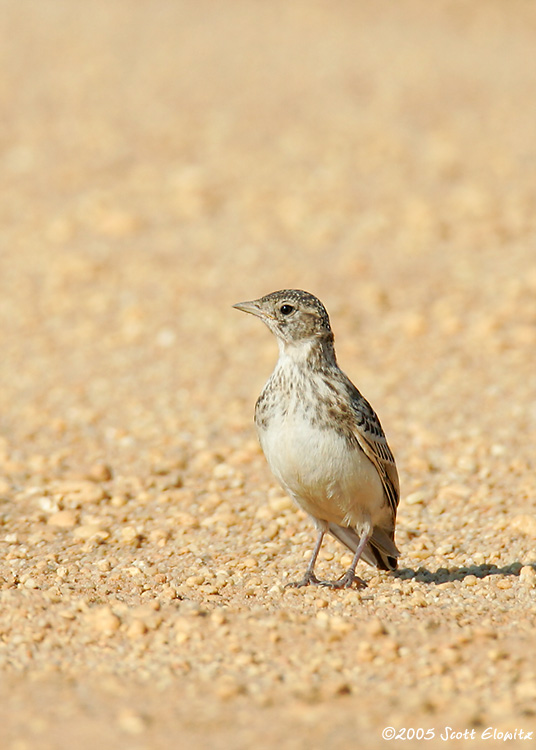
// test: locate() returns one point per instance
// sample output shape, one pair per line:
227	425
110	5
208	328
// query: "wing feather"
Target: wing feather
371	439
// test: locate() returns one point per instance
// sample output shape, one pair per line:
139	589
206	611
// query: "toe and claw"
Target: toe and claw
346	581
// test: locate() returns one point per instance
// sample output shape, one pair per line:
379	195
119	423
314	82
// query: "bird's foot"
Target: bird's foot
308	580
346	581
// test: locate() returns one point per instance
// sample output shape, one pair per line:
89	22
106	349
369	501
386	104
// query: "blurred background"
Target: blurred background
163	160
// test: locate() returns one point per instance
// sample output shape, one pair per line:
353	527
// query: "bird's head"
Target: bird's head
294	316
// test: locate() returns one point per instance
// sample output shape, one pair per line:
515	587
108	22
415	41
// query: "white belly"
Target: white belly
327	476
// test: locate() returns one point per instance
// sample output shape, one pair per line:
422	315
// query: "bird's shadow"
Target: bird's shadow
444	575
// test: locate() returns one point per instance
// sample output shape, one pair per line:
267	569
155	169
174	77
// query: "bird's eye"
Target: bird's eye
286	309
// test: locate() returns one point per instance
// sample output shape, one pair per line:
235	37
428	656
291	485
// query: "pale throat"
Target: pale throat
306	352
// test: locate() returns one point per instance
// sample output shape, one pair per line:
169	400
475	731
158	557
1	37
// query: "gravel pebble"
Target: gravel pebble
527	576
63	519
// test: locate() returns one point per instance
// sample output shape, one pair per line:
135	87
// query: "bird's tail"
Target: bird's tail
380	551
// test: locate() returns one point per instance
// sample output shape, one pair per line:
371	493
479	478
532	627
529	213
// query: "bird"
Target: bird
323	440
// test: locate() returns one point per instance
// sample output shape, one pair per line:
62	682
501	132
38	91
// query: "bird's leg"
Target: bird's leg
348	578
309	576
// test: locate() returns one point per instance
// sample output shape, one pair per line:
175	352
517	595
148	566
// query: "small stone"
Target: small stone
169	592
376	627
159	537
280	504
196	580
365	652
527	576
131	722
63	519
253	582
118	501
134	571
415	498
130	535
49	504
186	521
67	614
105	621
220	519
340	624
470	580
229	688
100	473
79	492
136	629
418	600
496	654
218	618
221	471
525	524
89	530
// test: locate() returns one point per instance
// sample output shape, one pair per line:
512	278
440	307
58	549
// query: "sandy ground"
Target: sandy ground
159	162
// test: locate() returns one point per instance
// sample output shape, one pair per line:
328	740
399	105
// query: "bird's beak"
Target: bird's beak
252	307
